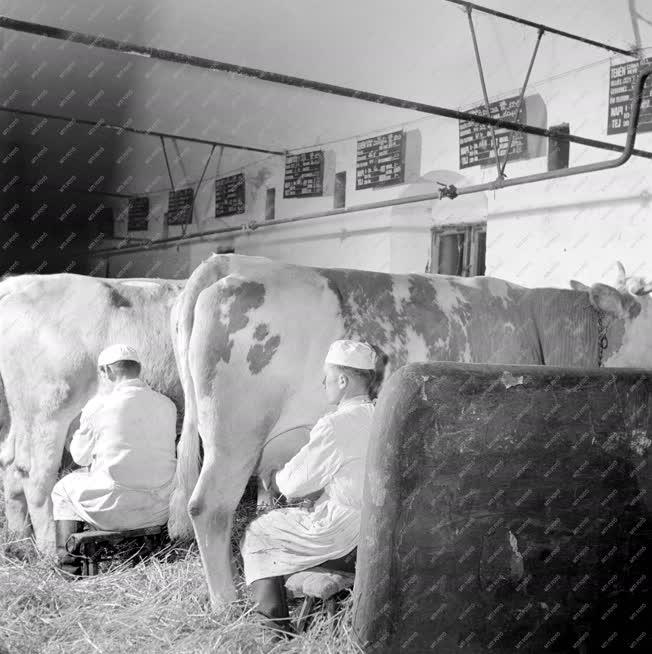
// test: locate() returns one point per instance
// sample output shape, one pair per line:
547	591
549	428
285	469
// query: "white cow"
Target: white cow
53	328
251	335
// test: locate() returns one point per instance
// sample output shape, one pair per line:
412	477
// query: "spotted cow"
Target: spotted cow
250	336
53	328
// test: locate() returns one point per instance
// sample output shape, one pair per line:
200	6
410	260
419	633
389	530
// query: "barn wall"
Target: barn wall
538	234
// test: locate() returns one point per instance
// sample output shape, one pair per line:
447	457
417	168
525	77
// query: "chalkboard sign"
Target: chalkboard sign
106	222
180	207
304	174
476	143
138	214
622	78
380	161
230	195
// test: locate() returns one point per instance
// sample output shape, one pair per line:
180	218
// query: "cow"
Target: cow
53	328
250	336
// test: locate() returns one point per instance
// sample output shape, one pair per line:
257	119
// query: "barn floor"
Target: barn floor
159	606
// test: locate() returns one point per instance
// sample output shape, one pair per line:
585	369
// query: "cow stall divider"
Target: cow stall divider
506	508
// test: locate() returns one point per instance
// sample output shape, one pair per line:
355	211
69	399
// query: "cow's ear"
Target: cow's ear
621	279
612	301
578	286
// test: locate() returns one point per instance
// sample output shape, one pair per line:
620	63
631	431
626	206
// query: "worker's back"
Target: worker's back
136	431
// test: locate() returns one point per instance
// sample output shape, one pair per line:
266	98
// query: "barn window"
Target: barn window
459	250
270	202
339	194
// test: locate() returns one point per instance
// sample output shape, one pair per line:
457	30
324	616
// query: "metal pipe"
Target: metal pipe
550	30
484	86
121	128
520	102
79	191
450	191
200	62
270	223
167	164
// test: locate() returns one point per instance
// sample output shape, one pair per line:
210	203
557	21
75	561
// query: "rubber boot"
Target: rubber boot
67	562
271	602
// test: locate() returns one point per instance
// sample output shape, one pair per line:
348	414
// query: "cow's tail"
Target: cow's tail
7	439
188	452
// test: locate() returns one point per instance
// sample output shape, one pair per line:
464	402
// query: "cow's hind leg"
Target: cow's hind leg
229	460
46	449
15	503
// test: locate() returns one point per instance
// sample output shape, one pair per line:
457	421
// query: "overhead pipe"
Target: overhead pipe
447	191
288	80
452	191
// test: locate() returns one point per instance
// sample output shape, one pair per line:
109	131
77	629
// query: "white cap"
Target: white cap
117	352
352	354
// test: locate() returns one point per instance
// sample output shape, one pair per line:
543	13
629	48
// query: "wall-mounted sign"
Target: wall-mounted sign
180	207
622	78
106	222
380	161
230	195
138	214
476	143
304	174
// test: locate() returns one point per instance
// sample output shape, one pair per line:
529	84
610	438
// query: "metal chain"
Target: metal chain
603	341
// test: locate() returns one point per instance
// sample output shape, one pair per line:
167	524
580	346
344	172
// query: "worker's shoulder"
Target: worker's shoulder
163	399
352	411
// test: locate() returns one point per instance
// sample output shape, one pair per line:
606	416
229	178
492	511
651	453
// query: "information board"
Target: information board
380	161
622	78
304	174
476	143
138	214
180	207
230	195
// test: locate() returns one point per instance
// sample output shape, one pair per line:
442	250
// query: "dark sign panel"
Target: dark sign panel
230	195
622	78
380	161
476	143
304	174
180	207
106	222
138	214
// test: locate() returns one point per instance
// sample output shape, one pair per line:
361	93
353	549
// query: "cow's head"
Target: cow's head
627	317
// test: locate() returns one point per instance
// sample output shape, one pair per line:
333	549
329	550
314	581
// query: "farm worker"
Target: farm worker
127	437
288	540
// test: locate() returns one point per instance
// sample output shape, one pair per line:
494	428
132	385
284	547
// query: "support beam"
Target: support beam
545	28
288	80
102	124
478	61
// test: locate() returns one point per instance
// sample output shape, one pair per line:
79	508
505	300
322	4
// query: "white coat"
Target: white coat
288	540
127	438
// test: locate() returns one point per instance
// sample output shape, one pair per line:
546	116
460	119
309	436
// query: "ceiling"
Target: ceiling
415	49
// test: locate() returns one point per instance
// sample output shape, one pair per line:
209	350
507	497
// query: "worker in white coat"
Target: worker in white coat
288	540
126	437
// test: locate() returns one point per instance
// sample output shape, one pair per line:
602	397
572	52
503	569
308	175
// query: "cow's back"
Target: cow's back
420	317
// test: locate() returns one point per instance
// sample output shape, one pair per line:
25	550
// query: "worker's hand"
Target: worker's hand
269	481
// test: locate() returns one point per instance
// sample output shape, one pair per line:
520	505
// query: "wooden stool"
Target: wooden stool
317	583
93	547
